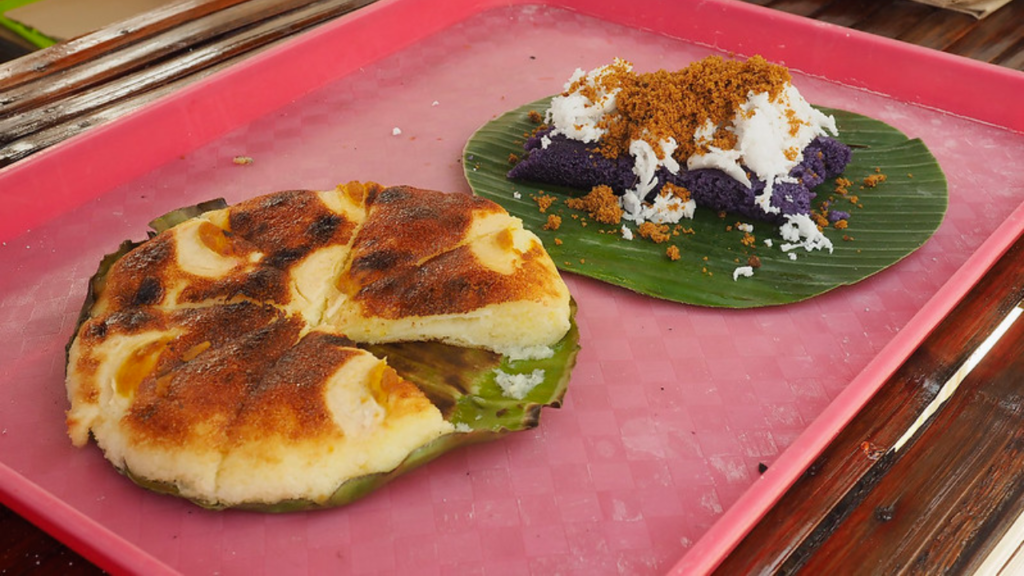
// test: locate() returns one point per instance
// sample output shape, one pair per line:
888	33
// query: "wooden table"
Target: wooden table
43	107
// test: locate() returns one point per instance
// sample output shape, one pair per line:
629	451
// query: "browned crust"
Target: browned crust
284	226
288	401
399	219
454	282
232	372
395	274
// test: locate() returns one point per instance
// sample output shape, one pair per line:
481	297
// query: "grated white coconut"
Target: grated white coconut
539	352
574	114
800	231
666	208
746	271
518	385
646	163
764	133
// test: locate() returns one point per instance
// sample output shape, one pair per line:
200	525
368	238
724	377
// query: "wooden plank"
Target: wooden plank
64	55
800	7
188	62
951	495
993	35
1013	57
850	13
44	138
895	18
28	550
858	459
939	30
994	39
117	63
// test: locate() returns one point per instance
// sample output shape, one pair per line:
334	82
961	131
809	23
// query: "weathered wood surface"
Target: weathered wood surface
997	39
55	93
943	500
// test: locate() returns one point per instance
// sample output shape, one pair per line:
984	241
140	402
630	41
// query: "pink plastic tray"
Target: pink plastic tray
652	464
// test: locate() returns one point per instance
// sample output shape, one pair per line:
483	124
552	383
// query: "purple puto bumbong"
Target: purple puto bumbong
823	158
574	164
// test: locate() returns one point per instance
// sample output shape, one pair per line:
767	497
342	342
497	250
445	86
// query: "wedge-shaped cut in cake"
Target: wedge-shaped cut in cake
325	411
483	281
231	403
224	359
306	234
159	389
274	248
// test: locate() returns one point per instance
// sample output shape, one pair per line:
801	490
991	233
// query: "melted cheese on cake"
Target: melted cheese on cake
220	356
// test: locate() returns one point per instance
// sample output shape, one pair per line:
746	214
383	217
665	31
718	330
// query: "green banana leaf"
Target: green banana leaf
461	382
892	220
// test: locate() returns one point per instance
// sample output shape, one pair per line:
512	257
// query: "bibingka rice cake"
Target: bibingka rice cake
227	358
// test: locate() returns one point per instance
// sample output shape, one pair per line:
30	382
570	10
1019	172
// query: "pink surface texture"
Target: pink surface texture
651	465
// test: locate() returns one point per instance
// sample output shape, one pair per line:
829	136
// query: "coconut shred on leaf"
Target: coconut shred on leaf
737	136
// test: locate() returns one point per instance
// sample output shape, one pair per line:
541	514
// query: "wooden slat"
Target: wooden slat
111	38
199	46
801	7
992	36
996	39
28	550
37	93
939	30
895	19
950	497
39	140
1013	58
844	482
850	13
40	127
